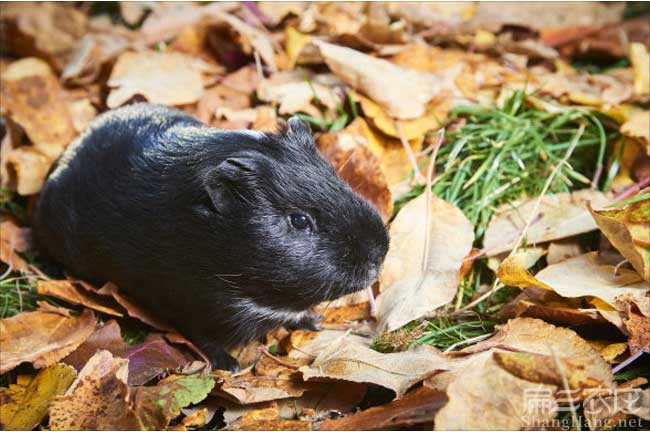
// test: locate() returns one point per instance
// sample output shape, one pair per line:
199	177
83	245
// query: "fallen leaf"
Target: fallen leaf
344	314
638	127
559	216
611	351
628	229
14	239
324	401
275	12
592	275
638	328
411	289
360	168
513	271
267	419
603	412
562	250
641	63
294	44
167	78
392	155
100	399
382	81
309	345
294	91
42	337
69	292
349	361
541	368
93	51
410	129
252	39
168	21
24	407
47	30
473	391
534	336
416	407
33	98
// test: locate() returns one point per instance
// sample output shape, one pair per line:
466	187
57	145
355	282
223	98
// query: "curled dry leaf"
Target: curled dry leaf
416	407
593	275
252	39
350	361
25	406
382	81
13	239
424	257
42	337
167	78
360	168
73	294
559	216
100	399
638	127
628	229
472	391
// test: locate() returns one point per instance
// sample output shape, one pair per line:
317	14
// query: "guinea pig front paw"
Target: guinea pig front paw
308	322
220	358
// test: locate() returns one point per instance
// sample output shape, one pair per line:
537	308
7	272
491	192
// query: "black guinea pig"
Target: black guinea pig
224	234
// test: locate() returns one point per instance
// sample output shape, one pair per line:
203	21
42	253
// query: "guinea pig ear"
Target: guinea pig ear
300	130
230	173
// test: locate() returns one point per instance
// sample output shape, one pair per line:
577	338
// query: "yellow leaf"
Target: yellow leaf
641	64
294	43
512	271
24	407
629	231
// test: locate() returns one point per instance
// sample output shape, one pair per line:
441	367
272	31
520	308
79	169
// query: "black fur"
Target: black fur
194	222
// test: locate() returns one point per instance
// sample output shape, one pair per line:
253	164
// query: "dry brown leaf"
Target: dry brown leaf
534	336
306	344
168	20
382	81
275	12
13	239
411	290
360	168
500	398
24	407
628	229
344	314
294	91
638	127
42	337
350	361
390	151
248	388
416	407
436	112
638	329
604	412
95	399
562	250
167	78
92	52
541	368
267	419
559	216
47	30
593	275
67	291
100	399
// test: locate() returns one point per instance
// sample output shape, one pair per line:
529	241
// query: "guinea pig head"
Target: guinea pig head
305	234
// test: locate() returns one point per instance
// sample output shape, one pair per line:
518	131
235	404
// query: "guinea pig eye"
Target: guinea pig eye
300	221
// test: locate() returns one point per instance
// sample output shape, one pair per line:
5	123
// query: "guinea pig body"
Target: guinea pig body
226	235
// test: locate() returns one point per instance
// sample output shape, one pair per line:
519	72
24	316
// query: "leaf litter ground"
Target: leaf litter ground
525	113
